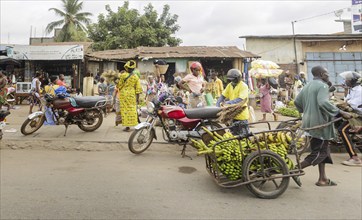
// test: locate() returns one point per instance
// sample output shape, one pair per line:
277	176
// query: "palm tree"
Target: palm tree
72	21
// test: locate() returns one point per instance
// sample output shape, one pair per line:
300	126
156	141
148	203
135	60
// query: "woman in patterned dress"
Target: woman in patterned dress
129	87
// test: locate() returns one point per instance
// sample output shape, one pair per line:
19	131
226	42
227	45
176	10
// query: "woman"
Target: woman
3	89
129	87
195	85
151	89
265	99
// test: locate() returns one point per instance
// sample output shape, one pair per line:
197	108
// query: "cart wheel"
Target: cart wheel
260	167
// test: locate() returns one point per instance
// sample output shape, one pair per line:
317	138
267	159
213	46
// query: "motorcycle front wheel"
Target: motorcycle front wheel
92	121
140	140
32	125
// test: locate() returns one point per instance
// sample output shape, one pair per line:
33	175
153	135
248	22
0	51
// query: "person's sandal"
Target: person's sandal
127	129
328	183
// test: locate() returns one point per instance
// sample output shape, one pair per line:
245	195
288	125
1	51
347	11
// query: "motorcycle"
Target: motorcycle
3	114
85	112
178	124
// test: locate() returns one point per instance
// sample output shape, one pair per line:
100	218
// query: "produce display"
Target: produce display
288	111
264	69
231	153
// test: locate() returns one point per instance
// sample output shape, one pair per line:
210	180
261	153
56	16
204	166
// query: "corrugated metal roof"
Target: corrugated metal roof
308	37
172	52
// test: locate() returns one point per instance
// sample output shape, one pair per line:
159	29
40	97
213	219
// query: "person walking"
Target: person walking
236	92
129	87
313	102
35	92
354	99
195	85
265	99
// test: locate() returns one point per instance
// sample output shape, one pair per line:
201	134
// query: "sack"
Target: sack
209	99
252	117
272	82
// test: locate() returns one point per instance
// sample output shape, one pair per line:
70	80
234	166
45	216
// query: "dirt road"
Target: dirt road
159	184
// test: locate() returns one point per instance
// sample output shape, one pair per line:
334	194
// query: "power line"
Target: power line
303	19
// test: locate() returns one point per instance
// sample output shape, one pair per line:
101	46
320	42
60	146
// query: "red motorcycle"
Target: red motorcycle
3	114
178	125
85	112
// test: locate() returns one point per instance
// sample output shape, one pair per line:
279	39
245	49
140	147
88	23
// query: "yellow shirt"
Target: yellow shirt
51	89
240	91
217	88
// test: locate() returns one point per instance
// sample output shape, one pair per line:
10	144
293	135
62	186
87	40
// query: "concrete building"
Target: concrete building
337	52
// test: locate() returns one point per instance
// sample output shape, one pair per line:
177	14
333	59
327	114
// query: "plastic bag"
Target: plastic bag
252	117
209	99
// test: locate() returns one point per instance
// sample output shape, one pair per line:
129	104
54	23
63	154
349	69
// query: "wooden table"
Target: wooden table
20	97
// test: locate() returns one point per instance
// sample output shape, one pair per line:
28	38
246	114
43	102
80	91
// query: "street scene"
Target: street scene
131	110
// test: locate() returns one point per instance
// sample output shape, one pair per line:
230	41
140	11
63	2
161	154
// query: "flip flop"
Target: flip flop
328	183
127	129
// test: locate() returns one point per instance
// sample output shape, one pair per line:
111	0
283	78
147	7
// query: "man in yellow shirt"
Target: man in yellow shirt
216	86
236	92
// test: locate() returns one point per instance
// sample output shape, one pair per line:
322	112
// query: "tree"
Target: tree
127	28
73	22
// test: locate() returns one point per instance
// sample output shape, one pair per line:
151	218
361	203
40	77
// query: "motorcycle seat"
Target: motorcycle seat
90	101
203	113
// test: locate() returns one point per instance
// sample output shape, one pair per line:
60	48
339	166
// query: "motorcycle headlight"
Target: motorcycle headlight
150	107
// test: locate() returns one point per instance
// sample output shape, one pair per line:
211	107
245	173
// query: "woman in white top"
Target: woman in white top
34	98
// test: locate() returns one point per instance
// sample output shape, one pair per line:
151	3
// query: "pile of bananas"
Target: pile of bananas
230	153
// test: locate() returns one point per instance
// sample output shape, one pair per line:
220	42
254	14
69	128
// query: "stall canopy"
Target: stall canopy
8	60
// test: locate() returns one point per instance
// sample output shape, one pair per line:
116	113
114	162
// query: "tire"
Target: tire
34	125
143	137
304	145
1	134
96	119
273	166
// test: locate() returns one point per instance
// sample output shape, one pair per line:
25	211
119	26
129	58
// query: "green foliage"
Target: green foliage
72	22
127	28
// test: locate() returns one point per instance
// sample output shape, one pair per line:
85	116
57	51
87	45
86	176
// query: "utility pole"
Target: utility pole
295	49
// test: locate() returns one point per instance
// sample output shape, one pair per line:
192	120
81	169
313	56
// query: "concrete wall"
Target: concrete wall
276	50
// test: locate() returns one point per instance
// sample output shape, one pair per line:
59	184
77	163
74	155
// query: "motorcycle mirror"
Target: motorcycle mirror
179	99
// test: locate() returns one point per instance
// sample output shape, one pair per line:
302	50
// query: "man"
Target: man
313	102
195	85
129	88
216	86
102	88
236	92
354	99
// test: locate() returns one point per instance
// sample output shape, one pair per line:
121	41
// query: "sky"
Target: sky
203	23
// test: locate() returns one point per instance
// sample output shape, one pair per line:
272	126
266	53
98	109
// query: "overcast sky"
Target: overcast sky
203	23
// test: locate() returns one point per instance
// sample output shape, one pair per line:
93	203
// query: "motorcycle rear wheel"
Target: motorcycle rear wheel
94	120
143	138
33	124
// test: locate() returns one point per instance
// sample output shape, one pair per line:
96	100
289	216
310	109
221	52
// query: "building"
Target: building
337	52
219	59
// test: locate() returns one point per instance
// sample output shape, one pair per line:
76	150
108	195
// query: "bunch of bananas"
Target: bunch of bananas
231	152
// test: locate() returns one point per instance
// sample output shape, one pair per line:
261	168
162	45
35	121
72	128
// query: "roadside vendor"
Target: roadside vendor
236	92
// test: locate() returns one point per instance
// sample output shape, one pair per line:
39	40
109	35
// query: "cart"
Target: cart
264	172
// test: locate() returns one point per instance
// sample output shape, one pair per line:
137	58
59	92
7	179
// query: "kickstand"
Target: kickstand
183	152
66	128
